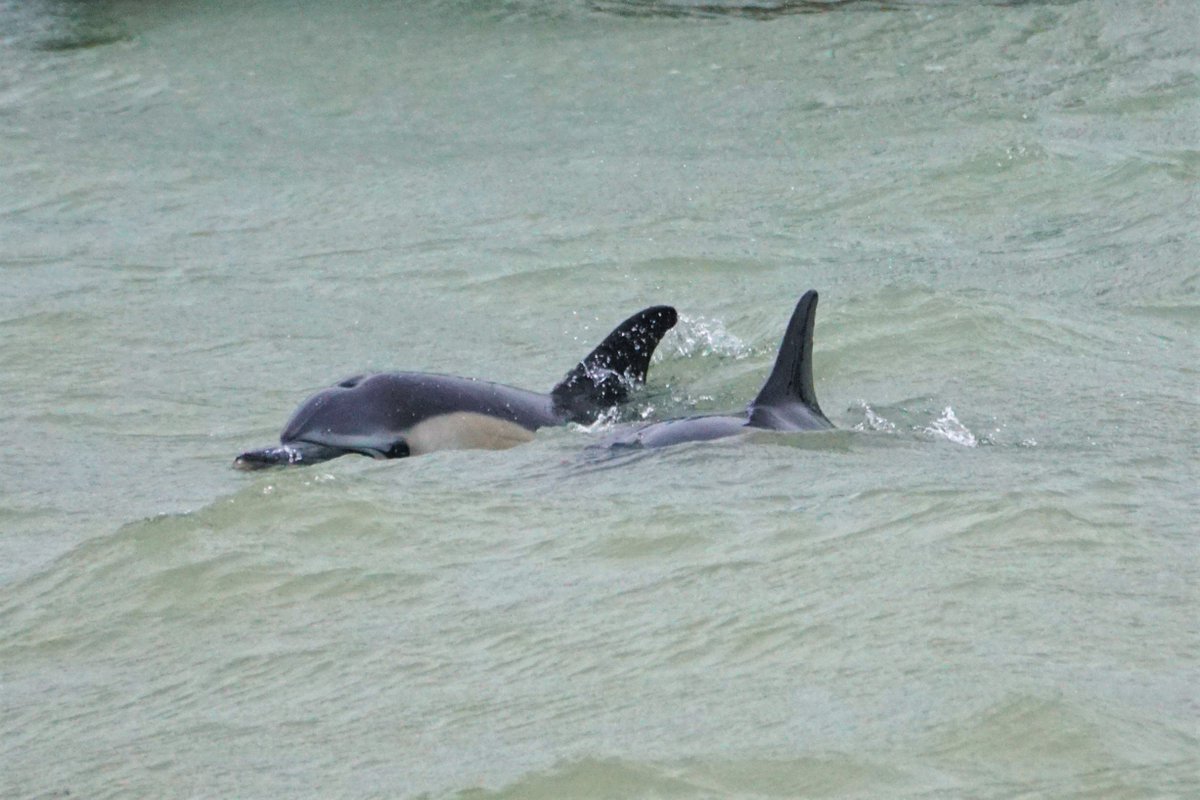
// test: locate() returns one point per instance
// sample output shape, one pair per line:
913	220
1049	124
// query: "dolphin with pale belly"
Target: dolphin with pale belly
400	414
786	402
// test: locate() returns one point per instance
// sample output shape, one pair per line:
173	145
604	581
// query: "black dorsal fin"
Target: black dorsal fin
604	378
791	380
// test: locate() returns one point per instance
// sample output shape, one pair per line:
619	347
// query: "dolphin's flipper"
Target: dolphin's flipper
788	400
603	378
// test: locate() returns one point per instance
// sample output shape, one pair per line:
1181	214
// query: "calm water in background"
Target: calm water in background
984	584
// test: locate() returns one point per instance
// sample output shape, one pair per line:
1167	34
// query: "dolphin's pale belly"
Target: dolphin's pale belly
464	430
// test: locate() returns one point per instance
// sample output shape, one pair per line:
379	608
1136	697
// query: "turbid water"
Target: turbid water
984	584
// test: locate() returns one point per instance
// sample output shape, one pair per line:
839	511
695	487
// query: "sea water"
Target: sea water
983	584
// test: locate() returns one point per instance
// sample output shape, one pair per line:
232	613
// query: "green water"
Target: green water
983	585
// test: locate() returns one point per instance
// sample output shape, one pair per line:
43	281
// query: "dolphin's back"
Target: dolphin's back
788	401
686	429
375	409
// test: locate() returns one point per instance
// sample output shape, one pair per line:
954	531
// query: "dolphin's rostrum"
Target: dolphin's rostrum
398	414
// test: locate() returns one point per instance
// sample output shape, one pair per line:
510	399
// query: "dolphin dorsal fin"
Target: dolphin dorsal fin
604	377
791	379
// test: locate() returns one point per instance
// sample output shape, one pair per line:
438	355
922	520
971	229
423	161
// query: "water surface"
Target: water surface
982	585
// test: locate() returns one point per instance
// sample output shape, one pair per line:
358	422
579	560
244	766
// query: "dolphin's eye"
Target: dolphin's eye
399	449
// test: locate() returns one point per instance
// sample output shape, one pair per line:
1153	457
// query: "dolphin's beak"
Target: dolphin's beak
294	454
269	457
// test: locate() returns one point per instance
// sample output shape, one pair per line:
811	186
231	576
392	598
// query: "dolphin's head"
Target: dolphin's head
367	414
355	415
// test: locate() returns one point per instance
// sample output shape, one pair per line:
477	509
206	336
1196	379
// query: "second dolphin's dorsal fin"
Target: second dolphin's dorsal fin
791	380
605	376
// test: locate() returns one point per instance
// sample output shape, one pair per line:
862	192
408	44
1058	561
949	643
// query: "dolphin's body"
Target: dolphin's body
787	401
398	414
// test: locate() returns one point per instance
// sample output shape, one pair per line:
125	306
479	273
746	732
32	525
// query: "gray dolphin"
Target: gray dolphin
786	402
399	414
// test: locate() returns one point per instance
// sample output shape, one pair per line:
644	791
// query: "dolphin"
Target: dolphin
400	414
786	401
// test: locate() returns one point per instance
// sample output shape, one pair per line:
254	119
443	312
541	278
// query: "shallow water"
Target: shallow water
984	584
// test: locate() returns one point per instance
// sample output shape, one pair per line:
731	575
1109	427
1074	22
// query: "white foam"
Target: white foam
698	336
873	421
607	419
948	426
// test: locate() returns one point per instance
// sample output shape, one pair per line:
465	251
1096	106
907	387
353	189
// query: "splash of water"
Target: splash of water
949	427
699	336
873	421
605	421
